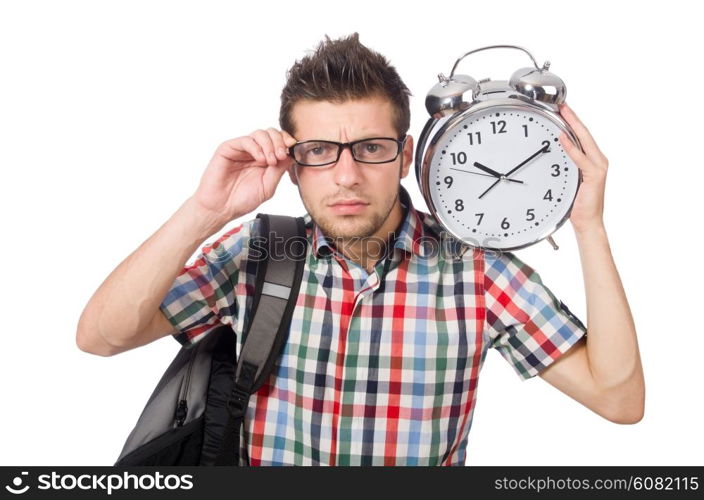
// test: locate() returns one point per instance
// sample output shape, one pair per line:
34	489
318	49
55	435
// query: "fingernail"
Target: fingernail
282	151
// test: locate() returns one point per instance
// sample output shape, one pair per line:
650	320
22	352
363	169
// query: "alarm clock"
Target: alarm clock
489	162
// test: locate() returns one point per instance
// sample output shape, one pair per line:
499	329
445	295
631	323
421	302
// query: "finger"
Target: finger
581	159
289	140
266	144
583	134
278	141
272	176
232	149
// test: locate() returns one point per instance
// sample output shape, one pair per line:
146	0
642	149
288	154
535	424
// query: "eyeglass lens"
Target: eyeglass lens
371	151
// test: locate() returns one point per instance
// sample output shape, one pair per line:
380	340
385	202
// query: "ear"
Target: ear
292	174
407	154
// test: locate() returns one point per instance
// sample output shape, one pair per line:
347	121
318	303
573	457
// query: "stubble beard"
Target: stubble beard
355	227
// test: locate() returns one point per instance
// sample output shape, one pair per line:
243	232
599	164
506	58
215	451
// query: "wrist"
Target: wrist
204	221
590	230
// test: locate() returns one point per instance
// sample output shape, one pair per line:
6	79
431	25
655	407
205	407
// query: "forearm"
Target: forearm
130	296
612	346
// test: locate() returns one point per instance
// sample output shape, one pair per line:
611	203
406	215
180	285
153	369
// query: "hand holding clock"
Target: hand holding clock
588	209
524	216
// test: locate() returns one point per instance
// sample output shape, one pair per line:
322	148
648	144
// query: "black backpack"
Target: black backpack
196	412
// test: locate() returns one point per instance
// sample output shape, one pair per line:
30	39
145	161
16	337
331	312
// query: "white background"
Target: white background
110	111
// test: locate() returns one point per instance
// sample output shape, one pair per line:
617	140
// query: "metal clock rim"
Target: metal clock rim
459	117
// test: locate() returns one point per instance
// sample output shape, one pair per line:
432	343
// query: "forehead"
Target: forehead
348	120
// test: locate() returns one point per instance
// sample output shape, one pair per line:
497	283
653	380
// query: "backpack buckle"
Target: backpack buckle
237	404
241	389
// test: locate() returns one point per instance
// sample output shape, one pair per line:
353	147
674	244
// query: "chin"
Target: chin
349	226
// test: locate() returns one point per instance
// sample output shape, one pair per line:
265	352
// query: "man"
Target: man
387	337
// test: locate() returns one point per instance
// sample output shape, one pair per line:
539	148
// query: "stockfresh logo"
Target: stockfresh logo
102	482
17	487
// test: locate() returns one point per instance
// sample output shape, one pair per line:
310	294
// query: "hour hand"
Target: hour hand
487	169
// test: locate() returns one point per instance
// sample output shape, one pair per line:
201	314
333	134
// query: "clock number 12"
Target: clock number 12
502	124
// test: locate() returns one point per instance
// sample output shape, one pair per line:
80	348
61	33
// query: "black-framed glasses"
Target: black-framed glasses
370	150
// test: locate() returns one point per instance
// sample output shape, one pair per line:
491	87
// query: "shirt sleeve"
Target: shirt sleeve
525	322
211	290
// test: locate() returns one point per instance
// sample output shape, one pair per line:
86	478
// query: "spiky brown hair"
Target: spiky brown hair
340	70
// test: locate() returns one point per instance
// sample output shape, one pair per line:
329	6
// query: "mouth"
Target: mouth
352	206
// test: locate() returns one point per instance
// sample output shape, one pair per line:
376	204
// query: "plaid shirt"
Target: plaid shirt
379	368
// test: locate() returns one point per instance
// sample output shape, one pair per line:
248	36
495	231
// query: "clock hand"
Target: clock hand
487	189
544	149
487	169
485	175
541	150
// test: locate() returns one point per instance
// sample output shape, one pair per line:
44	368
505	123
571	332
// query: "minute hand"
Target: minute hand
544	149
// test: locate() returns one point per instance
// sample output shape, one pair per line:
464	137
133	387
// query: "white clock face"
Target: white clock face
501	179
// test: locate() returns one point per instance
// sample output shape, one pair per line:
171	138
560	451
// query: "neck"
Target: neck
367	251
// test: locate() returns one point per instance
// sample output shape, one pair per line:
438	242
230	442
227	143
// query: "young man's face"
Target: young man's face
375	186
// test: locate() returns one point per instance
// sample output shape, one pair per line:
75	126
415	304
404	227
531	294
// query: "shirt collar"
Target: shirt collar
416	235
410	234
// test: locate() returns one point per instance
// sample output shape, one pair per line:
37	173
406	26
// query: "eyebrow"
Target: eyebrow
367	136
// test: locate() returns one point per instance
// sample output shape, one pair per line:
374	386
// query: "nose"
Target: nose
347	171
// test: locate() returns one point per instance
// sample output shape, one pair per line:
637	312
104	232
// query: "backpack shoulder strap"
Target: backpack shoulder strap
279	273
280	256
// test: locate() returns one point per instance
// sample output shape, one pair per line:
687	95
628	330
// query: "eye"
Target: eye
316	149
371	147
